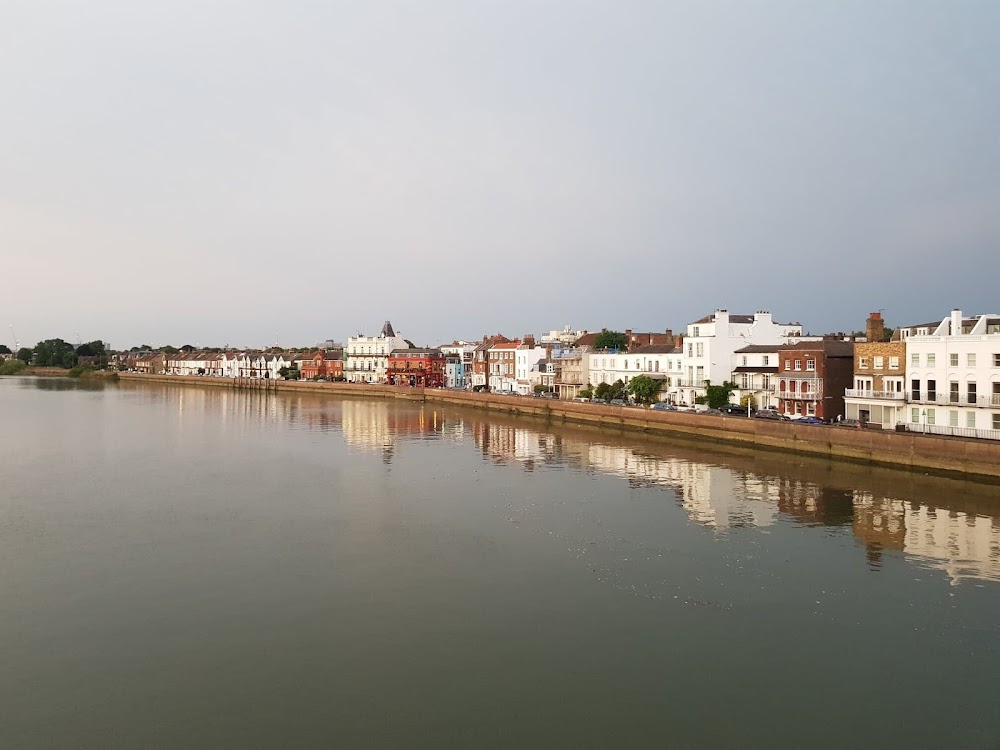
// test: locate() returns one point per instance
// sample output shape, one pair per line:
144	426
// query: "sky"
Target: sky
248	172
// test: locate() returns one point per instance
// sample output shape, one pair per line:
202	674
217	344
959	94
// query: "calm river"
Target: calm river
201	568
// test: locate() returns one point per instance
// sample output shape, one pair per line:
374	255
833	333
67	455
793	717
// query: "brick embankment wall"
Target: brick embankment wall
964	458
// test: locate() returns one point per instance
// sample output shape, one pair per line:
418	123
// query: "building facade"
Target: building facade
368	356
710	346
420	368
813	377
877	397
756	368
953	376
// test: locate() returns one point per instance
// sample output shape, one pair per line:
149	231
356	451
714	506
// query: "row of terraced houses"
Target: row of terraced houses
940	377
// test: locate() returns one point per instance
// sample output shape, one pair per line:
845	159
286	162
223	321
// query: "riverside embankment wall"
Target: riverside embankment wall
966	459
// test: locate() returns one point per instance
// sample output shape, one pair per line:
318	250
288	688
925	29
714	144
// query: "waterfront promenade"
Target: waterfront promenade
976	460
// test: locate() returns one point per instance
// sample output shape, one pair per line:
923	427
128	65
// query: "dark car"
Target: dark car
810	420
849	423
771	414
734	410
714	412
663	406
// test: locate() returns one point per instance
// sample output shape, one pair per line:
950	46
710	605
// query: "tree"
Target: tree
717	395
169	349
611	340
618	390
54	353
587	392
4	349
644	389
25	354
602	391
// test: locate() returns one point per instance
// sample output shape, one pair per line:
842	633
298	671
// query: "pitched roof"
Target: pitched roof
758	348
387	330
829	347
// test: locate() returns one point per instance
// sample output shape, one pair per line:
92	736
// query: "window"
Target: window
744	360
953	393
798	364
930	416
700	348
915	389
971	393
746	380
626	364
970	360
766	385
862	363
811	408
931	359
931	390
694	331
878	363
798	407
953	359
953	418
811	365
915	415
970	419
893	363
996	360
915	360
690	350
996	421
765	360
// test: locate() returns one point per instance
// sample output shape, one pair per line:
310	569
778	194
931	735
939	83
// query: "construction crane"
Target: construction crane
17	344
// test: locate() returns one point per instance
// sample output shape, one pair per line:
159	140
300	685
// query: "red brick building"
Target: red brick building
324	365
480	360
421	368
812	377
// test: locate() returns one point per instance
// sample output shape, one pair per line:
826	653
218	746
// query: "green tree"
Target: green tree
4	349
169	349
11	367
54	353
603	390
25	354
717	395
644	389
611	340
587	392
618	390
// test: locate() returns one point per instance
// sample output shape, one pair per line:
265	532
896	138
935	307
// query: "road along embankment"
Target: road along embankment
977	460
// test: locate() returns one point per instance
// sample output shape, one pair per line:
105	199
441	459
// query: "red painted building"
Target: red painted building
420	368
327	365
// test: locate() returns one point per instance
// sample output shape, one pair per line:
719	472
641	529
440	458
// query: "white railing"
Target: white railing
966	432
953	399
891	395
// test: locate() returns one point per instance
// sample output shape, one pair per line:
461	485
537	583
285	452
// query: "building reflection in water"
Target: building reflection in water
960	536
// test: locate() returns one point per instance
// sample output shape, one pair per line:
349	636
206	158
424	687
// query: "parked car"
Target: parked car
734	410
663	406
849	423
771	414
810	420
714	412
617	402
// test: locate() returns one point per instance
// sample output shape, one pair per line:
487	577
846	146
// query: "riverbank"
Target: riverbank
976	460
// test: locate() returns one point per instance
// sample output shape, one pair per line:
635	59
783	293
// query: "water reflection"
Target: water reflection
63	384
936	523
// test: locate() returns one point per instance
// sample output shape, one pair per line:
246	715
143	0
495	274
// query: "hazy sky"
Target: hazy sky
231	172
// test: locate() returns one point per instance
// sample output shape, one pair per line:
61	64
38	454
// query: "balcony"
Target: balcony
950	399
875	395
806	389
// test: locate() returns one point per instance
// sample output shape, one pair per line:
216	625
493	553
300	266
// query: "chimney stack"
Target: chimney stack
875	330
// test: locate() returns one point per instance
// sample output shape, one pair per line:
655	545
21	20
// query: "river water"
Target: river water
202	568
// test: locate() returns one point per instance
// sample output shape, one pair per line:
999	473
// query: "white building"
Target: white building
711	343
368	356
566	337
756	366
657	361
953	376
526	356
